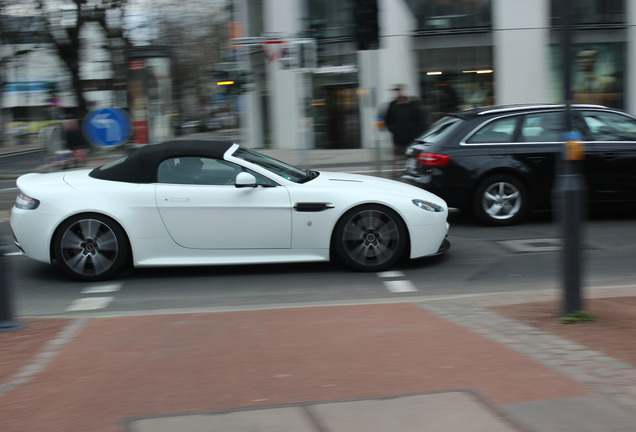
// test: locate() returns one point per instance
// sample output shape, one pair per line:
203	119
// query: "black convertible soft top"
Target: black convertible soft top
141	165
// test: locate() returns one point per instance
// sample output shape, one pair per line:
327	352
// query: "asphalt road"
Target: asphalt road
523	257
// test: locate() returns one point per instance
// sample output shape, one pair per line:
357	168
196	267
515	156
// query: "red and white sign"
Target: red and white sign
137	65
274	50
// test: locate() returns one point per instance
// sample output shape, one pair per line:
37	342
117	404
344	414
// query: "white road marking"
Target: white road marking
89	303
99	289
400	286
13	254
391	274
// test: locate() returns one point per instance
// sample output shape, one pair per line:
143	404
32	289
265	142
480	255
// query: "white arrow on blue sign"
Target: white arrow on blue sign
107	127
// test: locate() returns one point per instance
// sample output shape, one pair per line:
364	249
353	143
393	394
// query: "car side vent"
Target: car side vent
312	207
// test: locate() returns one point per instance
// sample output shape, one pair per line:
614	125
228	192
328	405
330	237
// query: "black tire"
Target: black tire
500	200
370	238
90	247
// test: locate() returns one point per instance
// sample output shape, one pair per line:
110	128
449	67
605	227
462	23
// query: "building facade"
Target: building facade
36	87
450	54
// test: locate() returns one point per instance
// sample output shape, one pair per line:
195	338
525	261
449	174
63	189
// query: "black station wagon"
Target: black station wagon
499	162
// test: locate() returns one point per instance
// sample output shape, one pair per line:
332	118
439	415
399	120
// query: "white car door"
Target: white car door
222	216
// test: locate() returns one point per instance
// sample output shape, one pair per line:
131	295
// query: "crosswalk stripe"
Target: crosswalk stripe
400	286
391	274
89	303
98	289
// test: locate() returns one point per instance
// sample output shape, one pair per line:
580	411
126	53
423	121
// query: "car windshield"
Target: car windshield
439	129
275	166
112	164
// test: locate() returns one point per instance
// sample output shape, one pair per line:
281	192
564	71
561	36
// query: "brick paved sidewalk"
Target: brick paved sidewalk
102	372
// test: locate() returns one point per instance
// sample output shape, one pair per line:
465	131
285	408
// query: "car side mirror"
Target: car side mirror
245	179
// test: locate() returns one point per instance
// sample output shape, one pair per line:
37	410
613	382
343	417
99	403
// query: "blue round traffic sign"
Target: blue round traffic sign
107	127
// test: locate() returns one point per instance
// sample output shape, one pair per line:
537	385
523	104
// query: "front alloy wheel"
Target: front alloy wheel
370	238
501	200
90	247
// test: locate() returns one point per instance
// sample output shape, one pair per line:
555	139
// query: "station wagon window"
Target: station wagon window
543	127
438	130
605	126
497	131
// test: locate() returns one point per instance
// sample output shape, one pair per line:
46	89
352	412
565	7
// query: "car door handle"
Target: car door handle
179	199
610	155
536	158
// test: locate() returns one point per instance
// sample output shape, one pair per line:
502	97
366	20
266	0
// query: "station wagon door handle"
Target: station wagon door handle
536	158
610	155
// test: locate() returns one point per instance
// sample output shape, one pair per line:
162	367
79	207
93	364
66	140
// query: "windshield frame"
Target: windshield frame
273	165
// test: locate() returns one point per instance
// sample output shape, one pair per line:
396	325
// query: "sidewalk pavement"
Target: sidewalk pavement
7	172
8	148
436	365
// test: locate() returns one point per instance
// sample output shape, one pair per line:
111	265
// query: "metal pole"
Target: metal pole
7	322
569	188
375	98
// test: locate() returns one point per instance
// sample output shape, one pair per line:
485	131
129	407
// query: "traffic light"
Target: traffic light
221	78
233	82
365	21
244	81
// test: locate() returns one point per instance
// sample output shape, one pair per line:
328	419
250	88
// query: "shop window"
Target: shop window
597	75
587	12
452	14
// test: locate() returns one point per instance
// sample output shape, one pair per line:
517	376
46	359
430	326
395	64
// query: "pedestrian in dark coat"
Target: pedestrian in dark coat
403	120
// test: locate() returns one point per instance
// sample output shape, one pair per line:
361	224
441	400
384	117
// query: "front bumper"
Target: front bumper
444	247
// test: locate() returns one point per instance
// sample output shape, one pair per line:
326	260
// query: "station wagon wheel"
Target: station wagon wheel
90	247
500	200
370	238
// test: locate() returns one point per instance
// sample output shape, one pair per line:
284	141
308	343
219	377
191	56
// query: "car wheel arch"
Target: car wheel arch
91	214
510	178
366	205
517	174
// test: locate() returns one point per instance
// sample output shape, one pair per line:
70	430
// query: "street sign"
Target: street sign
274	50
107	127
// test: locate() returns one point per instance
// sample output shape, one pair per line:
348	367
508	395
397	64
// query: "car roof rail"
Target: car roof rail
511	108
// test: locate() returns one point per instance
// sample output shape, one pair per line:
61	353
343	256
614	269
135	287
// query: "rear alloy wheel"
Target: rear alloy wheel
370	238
90	247
500	200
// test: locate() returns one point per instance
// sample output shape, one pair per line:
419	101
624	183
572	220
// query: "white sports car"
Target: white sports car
186	203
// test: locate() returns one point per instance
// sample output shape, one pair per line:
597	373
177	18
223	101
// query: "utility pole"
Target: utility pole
366	33
570	187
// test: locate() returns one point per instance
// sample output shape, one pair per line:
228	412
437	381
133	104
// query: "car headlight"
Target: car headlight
428	206
25	202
